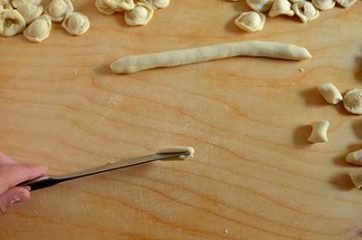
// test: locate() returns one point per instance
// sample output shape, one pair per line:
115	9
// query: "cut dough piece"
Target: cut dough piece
346	3
11	22
281	7
17	3
104	8
29	11
352	101
59	9
39	29
305	11
356	177
260	5
250	21
319	132
120	5
76	23
131	64
355	157
324	4
330	93
5	4
190	151
158	3
140	15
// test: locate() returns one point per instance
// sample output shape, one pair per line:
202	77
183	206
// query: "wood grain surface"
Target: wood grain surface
254	176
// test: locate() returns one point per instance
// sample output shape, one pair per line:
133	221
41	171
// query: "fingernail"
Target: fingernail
14	200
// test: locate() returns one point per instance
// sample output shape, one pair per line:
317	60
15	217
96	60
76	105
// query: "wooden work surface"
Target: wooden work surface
253	175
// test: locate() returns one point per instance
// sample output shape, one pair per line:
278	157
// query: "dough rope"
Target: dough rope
136	63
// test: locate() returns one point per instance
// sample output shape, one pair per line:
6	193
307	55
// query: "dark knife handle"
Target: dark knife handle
39	183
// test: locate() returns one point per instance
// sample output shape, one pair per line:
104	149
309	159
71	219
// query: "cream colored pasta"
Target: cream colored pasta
330	93
5	4
352	101
281	7
356	177
29	11
158	3
319	132
355	157
120	5
104	8
305	11
131	64
17	3
11	22
59	9
324	4
346	3
250	21
260	5
76	23
39	29
140	15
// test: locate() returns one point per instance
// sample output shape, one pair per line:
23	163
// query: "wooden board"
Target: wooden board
253	176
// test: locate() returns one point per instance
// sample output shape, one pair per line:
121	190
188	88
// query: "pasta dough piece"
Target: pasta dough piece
260	5
158	3
131	64
104	8
250	21
352	101
319	132
346	3
355	157
17	3
330	93
356	177
324	4
281	7
59	9
29	11
305	11
140	15
5	4
76	23
120	5
39	29
11	22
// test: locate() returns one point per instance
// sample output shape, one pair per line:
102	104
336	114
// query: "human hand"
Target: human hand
11	174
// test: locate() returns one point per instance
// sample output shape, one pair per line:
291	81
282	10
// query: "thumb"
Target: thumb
12	196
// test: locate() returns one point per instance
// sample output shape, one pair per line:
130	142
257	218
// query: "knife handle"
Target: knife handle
41	182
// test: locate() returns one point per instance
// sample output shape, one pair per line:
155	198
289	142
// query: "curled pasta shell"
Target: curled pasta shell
39	29
76	23
5	4
120	5
250	21
11	22
352	101
305	11
158	3
281	7
260	5
59	9
104	8
346	3
140	15
29	11
17	3
324	4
